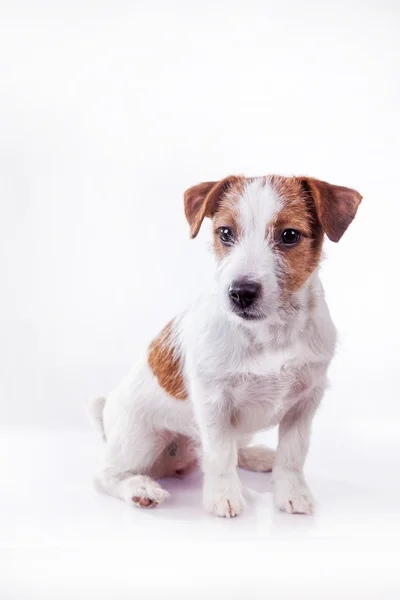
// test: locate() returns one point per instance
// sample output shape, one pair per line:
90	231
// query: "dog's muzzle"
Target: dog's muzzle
243	296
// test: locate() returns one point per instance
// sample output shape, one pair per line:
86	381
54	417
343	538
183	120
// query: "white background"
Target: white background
108	112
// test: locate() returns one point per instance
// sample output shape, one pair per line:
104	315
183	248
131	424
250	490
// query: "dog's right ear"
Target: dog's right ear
202	200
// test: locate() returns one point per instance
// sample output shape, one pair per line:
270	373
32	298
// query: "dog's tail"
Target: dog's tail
94	409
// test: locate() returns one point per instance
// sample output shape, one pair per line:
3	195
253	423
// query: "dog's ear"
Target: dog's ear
336	206
202	200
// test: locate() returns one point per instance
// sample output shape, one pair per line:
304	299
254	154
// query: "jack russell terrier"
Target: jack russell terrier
249	354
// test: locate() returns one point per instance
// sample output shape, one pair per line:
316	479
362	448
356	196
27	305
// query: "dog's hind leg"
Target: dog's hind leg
178	459
256	458
129	457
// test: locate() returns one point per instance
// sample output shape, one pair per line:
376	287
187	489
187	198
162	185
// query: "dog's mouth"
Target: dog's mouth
249	315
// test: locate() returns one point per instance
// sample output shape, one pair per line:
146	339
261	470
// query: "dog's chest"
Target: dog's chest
266	387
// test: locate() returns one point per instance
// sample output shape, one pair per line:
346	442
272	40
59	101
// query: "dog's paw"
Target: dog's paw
224	502
256	458
293	498
144	492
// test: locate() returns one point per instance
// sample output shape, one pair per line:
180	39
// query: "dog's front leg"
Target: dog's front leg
222	494
291	493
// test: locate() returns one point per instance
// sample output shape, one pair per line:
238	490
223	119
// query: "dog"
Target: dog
250	354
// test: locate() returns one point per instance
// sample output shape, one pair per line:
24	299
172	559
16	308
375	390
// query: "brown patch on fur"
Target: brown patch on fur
298	212
203	200
227	215
193	201
165	365
336	206
309	205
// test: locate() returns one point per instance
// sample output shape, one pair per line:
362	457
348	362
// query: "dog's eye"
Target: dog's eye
290	237
226	235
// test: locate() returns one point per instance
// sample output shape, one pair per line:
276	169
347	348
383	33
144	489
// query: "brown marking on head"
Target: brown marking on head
228	215
308	205
218	201
297	212
165	365
205	199
312	207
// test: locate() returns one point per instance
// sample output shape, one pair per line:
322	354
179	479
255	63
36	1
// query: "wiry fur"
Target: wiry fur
240	376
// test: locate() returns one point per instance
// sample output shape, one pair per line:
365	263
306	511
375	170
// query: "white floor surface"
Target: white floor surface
59	537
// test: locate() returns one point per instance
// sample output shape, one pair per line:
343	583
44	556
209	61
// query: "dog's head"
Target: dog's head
268	234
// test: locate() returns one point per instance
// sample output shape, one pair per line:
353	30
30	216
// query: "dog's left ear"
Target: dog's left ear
336	206
203	200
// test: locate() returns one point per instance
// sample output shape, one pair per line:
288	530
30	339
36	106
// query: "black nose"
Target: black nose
244	293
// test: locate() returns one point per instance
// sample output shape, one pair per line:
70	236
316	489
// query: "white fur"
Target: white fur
242	377
253	258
